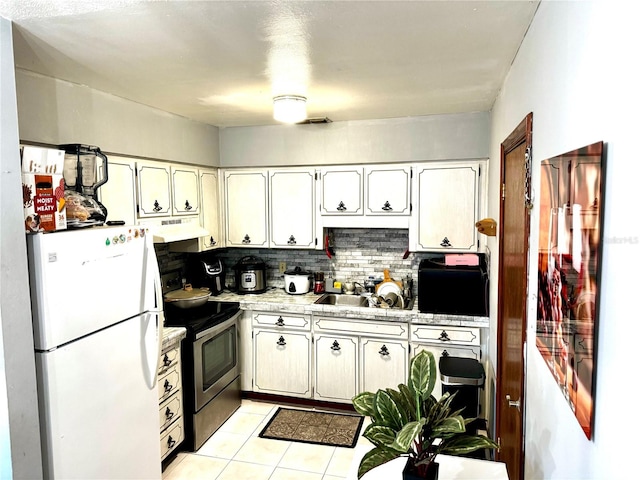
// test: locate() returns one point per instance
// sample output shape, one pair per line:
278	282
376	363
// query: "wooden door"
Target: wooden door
512	296
292	209
336	367
246	208
384	363
185	189
154	189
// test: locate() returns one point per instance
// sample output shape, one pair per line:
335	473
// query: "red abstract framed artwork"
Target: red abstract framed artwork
571	200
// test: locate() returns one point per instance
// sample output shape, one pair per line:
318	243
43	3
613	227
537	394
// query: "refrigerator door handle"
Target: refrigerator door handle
152	263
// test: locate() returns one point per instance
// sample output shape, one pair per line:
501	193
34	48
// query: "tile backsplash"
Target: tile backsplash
357	254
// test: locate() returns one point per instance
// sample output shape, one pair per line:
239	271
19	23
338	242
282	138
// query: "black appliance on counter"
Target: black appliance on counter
206	270
453	289
210	367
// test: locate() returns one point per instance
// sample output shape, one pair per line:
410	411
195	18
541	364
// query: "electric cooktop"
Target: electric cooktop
200	318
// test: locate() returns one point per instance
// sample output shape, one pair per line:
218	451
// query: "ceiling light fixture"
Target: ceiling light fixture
290	108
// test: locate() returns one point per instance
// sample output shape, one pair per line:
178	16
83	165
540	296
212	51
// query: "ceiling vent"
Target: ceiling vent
316	120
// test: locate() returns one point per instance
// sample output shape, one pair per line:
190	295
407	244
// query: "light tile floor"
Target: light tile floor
236	452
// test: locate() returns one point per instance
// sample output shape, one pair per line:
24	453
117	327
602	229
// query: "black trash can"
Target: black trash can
466	377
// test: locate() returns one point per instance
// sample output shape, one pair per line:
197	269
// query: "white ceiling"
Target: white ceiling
221	62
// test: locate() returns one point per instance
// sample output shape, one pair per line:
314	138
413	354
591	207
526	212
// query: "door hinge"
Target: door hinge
479	171
499	443
316	241
504	189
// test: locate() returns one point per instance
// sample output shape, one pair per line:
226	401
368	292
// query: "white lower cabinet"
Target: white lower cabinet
372	355
170	400
336	372
282	354
383	363
446	341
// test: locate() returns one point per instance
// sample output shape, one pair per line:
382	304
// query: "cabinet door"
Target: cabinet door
464	351
292	208
342	191
388	190
383	363
246	208
154	189
118	195
185	188
336	368
246	351
448	206
210	210
282	363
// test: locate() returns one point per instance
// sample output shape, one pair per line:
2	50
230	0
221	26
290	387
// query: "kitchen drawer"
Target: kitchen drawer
169	358
171	438
445	335
168	382
397	330
170	410
282	321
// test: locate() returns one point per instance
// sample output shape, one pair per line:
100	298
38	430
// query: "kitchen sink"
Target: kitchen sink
342	300
352	301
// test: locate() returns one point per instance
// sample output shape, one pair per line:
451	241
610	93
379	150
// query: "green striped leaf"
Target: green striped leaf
379	435
422	374
376	457
363	404
386	411
406	436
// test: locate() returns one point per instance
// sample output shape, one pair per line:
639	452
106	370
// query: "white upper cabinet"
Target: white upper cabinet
118	195
210	210
184	182
154	189
292	208
246	201
447	195
342	191
388	190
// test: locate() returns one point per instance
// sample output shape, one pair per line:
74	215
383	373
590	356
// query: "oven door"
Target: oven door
215	358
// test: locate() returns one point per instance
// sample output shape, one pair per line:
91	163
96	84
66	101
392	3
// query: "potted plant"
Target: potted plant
410	422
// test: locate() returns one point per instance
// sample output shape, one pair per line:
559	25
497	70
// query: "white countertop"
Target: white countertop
276	299
172	335
451	468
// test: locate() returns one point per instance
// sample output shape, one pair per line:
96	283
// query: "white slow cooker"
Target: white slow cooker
297	281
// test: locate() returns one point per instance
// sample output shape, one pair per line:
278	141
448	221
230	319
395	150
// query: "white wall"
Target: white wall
53	111
435	137
19	428
577	72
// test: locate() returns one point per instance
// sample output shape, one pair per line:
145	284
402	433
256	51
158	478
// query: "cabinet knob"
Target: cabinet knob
166	360
167	386
170	442
445	242
168	413
156	206
444	337
384	351
280	322
341	207
336	346
212	242
281	342
187	206
246	239
387	207
292	240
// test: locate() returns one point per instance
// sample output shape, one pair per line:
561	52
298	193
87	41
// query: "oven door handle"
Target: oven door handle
209	332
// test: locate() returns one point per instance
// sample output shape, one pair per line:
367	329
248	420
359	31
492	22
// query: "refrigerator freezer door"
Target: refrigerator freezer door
99	413
82	281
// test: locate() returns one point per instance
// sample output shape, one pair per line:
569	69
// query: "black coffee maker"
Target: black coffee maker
206	270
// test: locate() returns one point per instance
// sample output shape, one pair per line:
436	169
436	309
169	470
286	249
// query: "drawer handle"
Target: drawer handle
167	386
387	207
444	337
384	351
445	353
187	206
280	322
166	360
168	413
292	240
341	207
246	239
281	342
445	242
336	346
156	206
212	242
170	442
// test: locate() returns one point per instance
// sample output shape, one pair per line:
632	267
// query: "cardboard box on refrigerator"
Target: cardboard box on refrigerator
43	189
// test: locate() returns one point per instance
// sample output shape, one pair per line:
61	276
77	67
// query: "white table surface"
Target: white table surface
451	468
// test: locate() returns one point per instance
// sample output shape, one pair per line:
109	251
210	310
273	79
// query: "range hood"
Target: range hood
176	230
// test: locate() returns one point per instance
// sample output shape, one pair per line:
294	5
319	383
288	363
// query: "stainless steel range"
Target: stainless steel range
210	366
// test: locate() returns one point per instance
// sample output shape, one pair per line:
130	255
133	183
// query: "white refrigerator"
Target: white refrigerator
97	322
